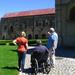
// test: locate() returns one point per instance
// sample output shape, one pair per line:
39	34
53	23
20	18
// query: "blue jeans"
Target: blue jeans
21	59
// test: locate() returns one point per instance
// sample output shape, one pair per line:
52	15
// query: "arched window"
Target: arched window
72	14
11	29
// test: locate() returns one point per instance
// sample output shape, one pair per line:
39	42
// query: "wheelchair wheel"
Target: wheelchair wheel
36	67
48	65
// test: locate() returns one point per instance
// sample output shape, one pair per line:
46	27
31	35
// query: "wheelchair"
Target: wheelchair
40	62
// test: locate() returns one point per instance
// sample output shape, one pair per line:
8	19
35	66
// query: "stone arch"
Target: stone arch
72	14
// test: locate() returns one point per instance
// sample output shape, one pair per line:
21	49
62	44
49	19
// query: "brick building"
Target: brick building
35	23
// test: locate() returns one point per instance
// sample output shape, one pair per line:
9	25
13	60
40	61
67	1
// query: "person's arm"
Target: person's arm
14	42
26	45
53	41
53	45
49	33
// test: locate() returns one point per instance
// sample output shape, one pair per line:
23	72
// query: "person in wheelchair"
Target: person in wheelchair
40	53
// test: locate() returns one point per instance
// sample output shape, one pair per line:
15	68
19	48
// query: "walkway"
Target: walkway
65	63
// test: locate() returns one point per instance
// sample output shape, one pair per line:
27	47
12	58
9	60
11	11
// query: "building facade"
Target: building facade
35	23
65	21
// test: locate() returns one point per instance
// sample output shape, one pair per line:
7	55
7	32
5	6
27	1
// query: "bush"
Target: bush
5	42
31	42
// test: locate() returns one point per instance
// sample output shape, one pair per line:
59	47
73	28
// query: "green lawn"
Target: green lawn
8	60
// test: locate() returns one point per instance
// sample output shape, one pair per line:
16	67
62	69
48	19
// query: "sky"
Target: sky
9	6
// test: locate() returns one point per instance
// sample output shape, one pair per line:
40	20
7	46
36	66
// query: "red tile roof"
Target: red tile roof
30	13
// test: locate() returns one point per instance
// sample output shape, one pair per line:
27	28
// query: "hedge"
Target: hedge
31	42
5	42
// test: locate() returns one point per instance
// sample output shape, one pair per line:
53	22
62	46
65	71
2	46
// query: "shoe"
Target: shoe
19	70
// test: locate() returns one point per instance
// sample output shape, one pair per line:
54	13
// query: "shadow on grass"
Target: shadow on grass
28	70
14	50
10	68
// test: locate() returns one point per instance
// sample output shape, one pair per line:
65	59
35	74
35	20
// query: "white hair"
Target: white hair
23	33
52	29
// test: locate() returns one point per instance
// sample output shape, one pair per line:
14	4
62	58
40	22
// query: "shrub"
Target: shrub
4	42
31	42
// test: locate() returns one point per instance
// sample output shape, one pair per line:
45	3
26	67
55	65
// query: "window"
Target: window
5	28
11	29
36	36
29	36
43	36
43	23
37	23
20	27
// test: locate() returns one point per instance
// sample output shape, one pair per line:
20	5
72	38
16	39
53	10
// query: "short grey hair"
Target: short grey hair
52	29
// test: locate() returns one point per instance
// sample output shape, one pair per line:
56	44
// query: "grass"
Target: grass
8	60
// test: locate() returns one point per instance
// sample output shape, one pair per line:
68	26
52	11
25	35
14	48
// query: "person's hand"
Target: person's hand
14	42
49	33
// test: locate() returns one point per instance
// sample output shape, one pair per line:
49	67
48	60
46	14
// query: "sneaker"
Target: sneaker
19	69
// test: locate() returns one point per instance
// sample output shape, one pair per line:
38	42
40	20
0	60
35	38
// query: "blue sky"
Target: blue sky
8	6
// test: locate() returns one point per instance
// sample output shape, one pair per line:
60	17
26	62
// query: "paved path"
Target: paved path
64	66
